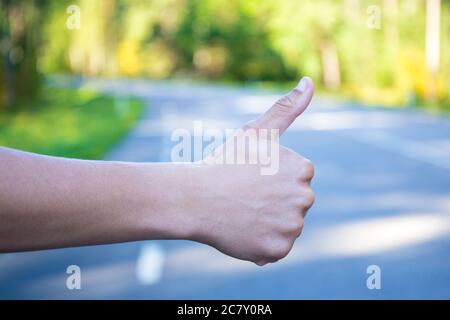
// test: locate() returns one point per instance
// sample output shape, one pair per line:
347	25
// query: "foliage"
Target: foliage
19	34
246	40
78	124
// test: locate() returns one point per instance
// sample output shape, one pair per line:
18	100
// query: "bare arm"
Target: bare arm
48	202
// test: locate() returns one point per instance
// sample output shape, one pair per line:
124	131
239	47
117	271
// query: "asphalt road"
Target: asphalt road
382	198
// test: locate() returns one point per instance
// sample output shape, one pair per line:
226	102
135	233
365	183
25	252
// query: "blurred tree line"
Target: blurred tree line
20	38
376	50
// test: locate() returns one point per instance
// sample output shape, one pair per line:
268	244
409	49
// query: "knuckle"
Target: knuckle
288	103
309	199
284	105
308	168
271	254
312	198
277	250
285	249
296	227
300	225
300	229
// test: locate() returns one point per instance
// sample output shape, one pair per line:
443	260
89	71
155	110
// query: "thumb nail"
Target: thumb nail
303	85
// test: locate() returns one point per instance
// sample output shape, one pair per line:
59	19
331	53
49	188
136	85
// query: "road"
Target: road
382	198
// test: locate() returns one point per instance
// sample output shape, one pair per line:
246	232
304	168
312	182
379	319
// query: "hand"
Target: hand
248	215
236	208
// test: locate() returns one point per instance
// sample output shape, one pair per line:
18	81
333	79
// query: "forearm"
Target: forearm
48	202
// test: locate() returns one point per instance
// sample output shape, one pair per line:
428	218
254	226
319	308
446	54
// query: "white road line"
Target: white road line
150	264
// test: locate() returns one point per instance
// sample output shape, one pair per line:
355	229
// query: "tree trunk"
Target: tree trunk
433	28
331	67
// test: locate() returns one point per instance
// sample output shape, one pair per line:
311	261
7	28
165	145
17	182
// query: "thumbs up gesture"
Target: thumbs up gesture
284	112
247	214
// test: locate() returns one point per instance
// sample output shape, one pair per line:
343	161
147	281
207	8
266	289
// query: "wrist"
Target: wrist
169	191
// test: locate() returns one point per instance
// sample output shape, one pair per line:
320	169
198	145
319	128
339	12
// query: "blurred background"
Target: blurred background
111	79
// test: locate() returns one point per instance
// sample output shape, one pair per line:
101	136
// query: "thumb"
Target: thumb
286	109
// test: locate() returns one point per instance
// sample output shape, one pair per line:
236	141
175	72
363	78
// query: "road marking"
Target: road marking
150	264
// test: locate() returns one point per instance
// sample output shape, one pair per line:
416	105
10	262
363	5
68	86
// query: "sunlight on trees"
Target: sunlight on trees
379	51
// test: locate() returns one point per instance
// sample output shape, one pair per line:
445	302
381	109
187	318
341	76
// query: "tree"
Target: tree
21	23
433	41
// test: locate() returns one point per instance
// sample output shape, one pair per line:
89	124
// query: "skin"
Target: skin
49	202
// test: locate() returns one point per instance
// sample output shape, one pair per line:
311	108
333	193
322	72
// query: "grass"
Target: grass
70	123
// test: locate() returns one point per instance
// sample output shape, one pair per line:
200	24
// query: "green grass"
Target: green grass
70	123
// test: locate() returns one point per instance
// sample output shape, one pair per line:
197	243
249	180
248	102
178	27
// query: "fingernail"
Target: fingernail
303	85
